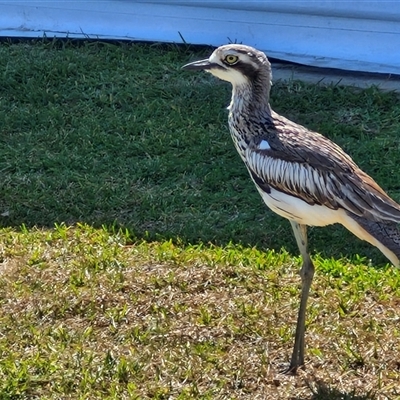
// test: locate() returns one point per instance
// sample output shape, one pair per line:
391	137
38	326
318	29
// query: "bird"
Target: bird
300	174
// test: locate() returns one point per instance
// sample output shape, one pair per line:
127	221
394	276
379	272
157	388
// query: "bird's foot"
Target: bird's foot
291	369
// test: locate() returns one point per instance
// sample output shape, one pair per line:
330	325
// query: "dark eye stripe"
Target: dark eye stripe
246	69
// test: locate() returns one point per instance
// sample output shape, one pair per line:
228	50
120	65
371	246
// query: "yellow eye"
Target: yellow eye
231	59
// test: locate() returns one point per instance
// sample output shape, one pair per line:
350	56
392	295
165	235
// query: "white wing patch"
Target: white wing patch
295	179
264	145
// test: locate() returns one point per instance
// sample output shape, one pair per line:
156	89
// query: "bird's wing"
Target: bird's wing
305	164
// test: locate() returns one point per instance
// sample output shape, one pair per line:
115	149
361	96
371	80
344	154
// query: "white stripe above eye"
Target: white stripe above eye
264	145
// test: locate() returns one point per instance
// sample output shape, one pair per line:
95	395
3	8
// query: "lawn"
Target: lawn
139	262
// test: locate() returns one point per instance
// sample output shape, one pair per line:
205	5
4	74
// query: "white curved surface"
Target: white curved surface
352	35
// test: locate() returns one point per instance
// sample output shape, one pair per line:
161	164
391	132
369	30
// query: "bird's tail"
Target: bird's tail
384	235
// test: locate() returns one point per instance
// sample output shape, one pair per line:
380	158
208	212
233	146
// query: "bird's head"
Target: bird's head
237	64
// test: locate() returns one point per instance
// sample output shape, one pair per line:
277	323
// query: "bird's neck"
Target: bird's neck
251	99
249	107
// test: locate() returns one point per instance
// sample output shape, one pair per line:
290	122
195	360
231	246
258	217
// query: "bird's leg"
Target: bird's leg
306	274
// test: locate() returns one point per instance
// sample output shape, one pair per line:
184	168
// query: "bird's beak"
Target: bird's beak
199	65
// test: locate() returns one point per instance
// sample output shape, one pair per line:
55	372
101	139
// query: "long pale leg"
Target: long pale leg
306	274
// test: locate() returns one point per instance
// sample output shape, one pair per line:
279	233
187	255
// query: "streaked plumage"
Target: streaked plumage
300	174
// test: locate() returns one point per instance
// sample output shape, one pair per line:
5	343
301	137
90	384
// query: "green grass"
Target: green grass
137	259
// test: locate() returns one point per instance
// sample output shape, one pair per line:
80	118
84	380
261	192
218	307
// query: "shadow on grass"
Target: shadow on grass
118	135
322	391
332	242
